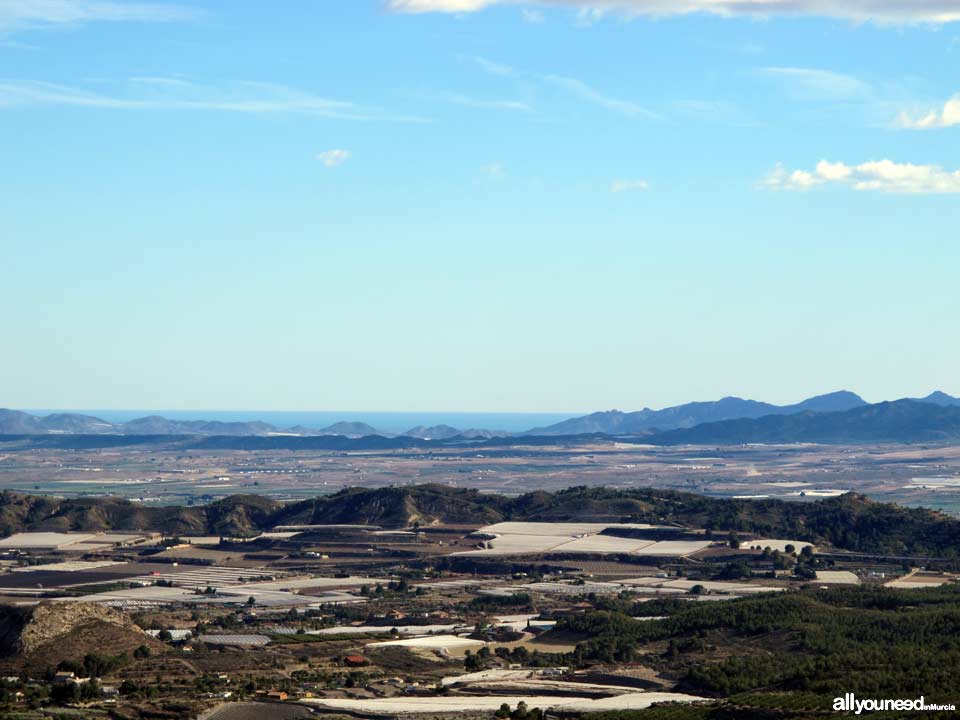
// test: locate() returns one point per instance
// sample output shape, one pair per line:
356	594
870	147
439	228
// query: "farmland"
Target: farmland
403	607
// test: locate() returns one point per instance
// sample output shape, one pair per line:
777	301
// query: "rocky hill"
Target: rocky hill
52	632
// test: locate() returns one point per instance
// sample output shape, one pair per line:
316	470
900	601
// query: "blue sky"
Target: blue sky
476	205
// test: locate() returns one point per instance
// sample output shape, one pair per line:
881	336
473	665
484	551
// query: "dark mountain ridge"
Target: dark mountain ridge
850	522
615	422
894	422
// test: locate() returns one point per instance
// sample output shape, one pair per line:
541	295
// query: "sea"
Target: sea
388	422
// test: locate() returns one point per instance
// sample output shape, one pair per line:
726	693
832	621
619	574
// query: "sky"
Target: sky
476	205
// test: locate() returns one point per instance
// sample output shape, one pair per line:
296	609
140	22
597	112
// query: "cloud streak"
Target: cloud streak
815	84
877	175
620	186
174	94
484	104
879	11
38	14
332	158
585	92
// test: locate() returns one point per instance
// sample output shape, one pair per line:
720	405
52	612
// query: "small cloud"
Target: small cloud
532	17
883	12
589	94
178	95
947	116
39	14
715	111
332	158
589	16
494	68
876	175
619	186
813	84
494	170
509	105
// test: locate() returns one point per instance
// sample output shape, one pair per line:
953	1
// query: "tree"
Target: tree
65	693
251	601
734	540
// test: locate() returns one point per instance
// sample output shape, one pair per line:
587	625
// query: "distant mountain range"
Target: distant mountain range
896	422
16	422
614	422
835	417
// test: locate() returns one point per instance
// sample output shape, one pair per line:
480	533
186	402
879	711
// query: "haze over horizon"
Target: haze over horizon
500	206
355	414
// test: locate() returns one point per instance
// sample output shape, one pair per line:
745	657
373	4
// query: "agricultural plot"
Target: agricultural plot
456	584
648	584
431	642
380	629
837	577
238	640
919	580
533	538
571	530
151	594
573	589
318	583
69	566
603	544
674	548
519	545
204	577
42	540
780	545
390	707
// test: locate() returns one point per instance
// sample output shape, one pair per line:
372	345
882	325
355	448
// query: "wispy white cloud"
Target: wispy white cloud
879	11
585	92
619	186
590	15
176	94
494	170
494	68
36	14
877	175
715	111
332	158
532	17
815	84
947	116
488	104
